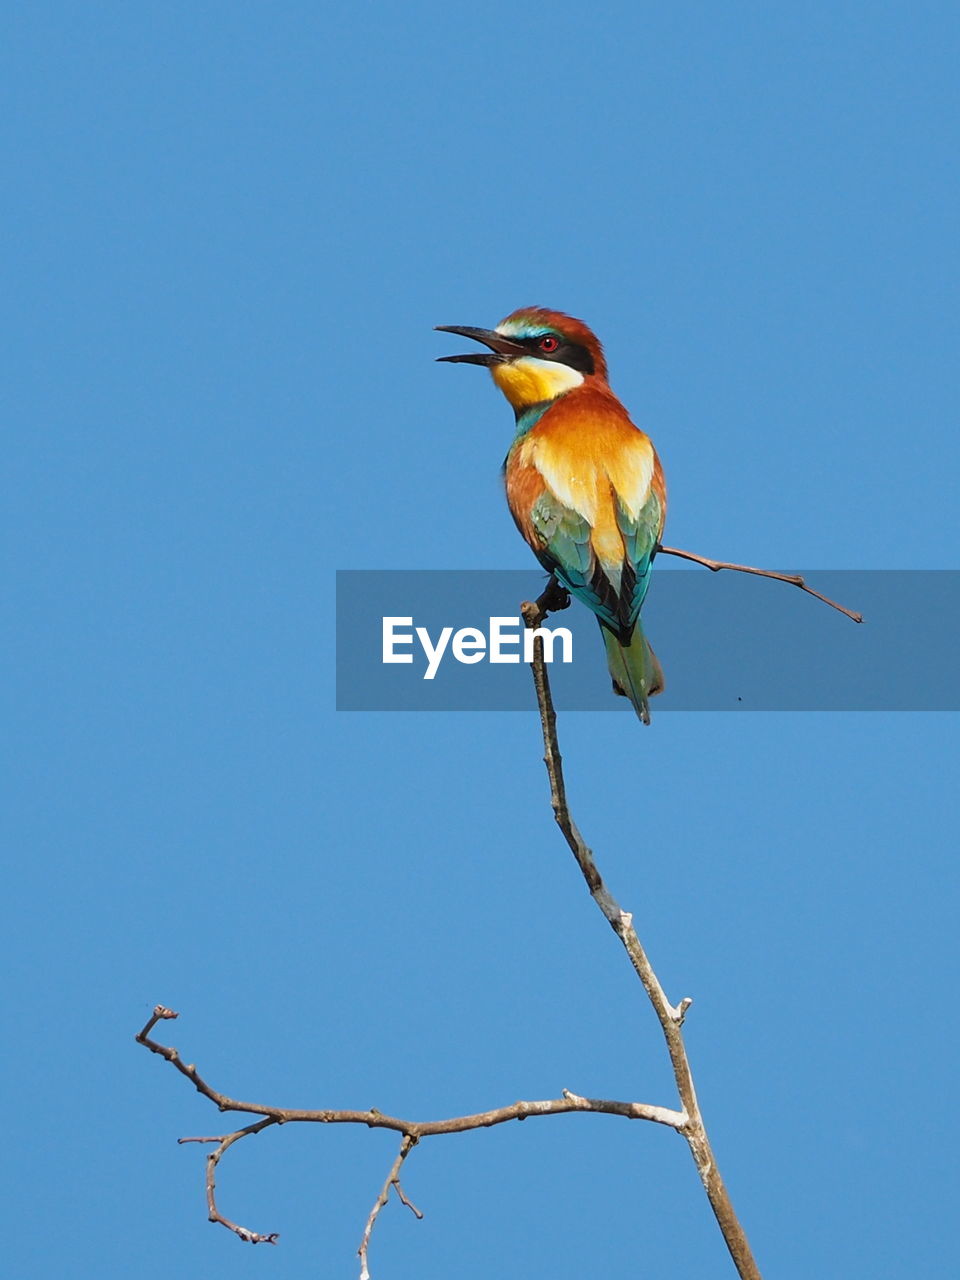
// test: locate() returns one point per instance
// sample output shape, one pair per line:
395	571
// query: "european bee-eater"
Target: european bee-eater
584	484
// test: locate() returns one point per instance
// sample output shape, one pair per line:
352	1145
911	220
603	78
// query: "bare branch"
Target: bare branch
688	1121
416	1129
794	579
413	1130
669	1016
393	1180
213	1159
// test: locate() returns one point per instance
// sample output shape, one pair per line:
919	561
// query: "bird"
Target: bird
584	484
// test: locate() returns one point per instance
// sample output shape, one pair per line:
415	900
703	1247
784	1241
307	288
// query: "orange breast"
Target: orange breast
591	457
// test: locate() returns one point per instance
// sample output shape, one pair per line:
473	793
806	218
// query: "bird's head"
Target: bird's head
535	355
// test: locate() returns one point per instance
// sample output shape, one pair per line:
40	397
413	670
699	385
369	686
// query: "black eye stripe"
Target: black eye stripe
568	353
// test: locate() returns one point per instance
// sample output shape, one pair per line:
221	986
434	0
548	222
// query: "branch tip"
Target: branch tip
404	1199
680	1012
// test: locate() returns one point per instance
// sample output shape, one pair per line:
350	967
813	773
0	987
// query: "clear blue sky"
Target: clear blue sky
228	230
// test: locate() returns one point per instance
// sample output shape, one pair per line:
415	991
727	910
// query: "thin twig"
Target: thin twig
405	1199
669	1016
213	1159
393	1180
794	579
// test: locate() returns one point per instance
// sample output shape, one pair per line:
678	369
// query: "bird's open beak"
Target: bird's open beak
501	348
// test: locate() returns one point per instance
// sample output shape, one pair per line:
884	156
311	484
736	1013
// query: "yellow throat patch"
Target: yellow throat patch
531	381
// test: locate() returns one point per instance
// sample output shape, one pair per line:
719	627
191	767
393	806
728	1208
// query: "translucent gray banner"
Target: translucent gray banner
727	642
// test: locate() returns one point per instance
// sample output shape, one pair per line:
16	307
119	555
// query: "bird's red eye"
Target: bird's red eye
548	343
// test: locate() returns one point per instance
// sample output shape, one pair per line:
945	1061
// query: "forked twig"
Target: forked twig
413	1131
393	1180
213	1159
224	1141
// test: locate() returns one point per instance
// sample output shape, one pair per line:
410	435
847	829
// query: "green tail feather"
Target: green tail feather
634	668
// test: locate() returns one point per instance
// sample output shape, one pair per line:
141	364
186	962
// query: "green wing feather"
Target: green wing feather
614	594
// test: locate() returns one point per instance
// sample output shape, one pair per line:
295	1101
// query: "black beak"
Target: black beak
501	348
